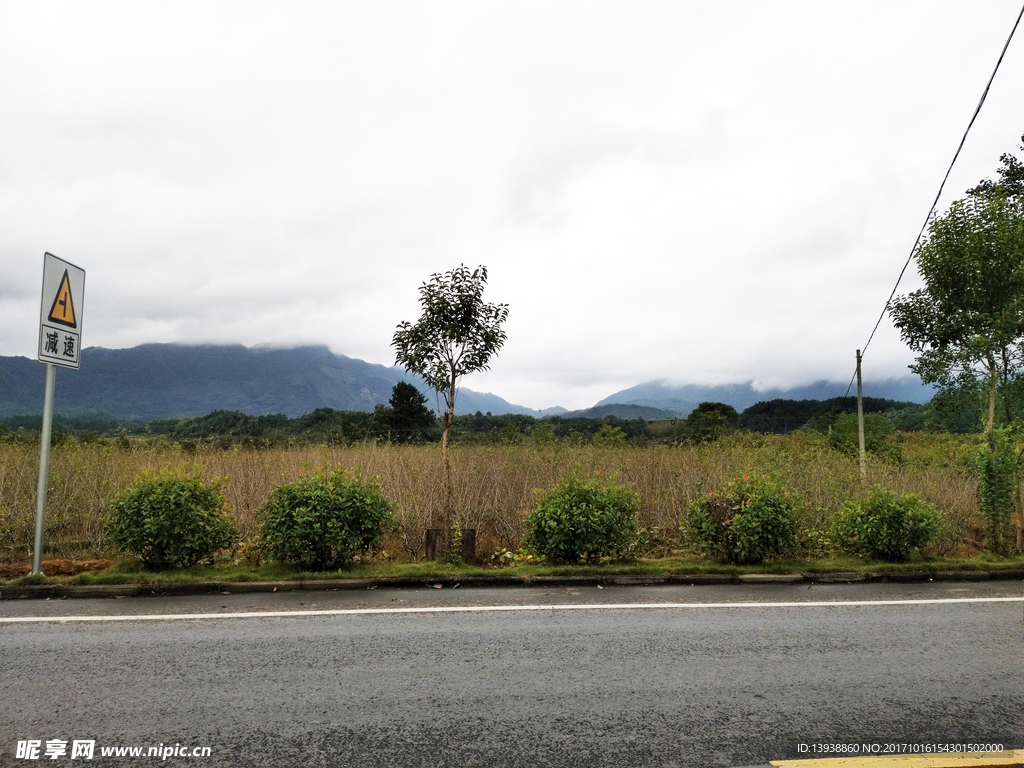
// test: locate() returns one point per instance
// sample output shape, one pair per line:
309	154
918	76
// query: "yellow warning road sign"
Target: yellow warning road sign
63	309
60	314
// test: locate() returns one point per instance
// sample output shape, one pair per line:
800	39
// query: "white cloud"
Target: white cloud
660	190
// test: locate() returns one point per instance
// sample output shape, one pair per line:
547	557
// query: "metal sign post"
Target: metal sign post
44	467
60	342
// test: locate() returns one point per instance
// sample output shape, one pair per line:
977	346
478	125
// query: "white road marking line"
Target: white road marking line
498	609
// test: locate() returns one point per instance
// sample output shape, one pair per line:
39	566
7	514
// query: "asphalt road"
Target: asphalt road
627	676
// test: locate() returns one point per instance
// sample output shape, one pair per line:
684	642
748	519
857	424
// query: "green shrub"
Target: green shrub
710	421
885	526
879	433
323	521
583	519
171	519
454	554
745	522
998	474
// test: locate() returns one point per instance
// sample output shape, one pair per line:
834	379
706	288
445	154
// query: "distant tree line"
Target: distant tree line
782	416
407	419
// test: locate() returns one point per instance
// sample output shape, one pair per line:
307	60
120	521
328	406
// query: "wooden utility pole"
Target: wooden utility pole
860	422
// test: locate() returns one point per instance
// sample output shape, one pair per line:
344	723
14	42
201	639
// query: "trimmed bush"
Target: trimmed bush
885	526
323	521
583	520
171	520
745	522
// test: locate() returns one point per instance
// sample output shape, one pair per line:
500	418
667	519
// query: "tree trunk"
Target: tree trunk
449	488
448	513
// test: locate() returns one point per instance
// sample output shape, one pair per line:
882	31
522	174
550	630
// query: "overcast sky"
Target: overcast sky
701	192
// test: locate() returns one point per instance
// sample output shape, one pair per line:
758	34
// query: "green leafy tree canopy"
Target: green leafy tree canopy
411	418
1011	180
457	334
967	323
710	421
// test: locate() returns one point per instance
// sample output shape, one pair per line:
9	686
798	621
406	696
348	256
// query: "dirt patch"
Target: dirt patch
8	571
54	568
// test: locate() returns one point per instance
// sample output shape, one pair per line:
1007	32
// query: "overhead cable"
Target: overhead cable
931	211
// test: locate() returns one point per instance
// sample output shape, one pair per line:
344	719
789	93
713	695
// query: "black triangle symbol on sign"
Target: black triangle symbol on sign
63	309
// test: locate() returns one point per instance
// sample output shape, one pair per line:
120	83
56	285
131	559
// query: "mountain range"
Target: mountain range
154	381
682	398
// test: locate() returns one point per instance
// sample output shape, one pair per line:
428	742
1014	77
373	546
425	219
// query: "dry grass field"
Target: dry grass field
494	483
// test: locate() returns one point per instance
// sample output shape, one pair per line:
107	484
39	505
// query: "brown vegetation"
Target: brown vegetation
54	568
494	484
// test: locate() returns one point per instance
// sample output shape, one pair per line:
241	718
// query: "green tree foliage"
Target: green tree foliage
609	436
844	435
967	324
218	426
1011	180
171	520
710	421
885	526
783	416
503	428
583	519
79	426
323	521
457	334
998	469
542	435
912	417
962	407
779	416
411	420
226	429
343	427
746	522
585	429
672	431
958	409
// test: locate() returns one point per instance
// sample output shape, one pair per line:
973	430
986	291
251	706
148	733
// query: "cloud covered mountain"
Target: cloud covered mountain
680	399
155	381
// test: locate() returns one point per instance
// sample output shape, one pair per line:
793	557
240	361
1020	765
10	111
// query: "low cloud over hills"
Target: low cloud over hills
680	399
155	381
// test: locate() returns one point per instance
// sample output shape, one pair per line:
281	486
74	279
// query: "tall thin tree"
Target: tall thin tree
457	334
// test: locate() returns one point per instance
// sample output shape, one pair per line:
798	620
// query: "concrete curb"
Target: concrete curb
58	591
770	578
695	579
835	578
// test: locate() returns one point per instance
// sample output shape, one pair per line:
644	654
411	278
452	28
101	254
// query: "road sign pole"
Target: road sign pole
44	466
60	343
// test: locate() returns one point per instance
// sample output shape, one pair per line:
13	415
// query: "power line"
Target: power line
935	203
